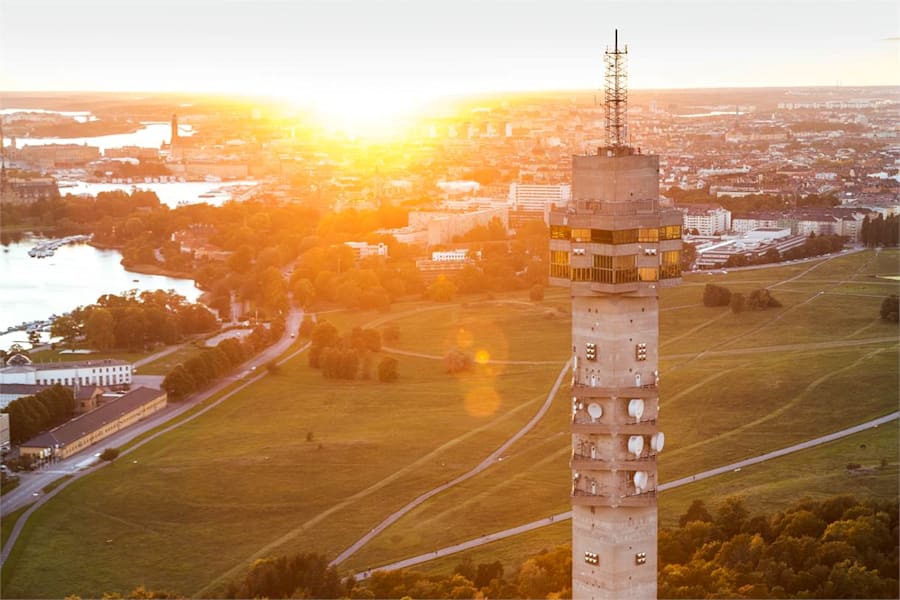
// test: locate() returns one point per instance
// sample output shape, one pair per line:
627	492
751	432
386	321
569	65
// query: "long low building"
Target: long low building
93	426
106	372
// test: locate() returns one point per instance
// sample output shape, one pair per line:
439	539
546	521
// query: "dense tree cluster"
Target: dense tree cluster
545	575
836	548
210	364
880	231
134	321
31	415
719	295
752	202
344	357
305	575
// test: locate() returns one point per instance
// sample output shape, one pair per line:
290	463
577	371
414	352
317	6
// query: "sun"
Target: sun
370	114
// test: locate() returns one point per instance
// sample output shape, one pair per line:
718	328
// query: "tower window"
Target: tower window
640	352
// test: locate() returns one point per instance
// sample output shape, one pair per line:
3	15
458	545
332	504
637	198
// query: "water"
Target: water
171	194
151	135
34	288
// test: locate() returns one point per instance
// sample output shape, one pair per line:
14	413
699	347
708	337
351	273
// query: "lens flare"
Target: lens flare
482	401
482	357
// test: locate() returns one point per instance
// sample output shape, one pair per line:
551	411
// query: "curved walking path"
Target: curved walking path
487	462
246	379
506	533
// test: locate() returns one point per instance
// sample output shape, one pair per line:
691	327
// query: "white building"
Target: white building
105	372
537	197
706	219
364	250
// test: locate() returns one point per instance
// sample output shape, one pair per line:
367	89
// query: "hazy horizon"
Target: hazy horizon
362	60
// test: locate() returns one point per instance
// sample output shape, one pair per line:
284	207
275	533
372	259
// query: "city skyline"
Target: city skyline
388	57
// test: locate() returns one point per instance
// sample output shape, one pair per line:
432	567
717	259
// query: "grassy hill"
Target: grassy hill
191	510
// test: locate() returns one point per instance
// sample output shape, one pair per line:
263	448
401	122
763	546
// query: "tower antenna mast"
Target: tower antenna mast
616	95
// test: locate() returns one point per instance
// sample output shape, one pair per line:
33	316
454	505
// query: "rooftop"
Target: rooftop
80	426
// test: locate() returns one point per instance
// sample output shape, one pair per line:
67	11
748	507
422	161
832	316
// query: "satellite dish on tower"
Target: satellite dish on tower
595	410
636	408
657	441
640	480
636	444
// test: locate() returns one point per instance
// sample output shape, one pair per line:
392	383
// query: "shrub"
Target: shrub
890	308
110	454
387	369
457	361
716	295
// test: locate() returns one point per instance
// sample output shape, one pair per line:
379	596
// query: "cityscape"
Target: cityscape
375	308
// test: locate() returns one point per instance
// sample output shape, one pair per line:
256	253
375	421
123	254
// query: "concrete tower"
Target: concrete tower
614	246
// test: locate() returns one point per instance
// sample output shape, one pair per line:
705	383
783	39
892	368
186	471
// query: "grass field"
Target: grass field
243	481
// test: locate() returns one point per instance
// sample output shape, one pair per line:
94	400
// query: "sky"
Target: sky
334	52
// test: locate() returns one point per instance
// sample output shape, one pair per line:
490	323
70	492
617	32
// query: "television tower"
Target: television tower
614	247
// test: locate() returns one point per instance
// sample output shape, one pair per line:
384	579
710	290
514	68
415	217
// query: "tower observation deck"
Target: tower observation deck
614	246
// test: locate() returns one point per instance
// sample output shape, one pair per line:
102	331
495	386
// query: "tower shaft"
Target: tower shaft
614	246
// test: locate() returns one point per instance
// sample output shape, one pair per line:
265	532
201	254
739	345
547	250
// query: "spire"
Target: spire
616	95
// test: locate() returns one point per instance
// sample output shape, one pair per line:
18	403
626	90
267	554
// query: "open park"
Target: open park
297	462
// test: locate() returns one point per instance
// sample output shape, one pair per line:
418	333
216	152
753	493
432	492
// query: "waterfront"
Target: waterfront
35	288
151	135
172	193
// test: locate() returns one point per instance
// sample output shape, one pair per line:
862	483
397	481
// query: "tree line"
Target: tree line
719	295
132	321
307	575
349	356
834	548
880	231
211	364
30	415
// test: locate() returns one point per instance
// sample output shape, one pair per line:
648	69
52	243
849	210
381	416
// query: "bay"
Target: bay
33	289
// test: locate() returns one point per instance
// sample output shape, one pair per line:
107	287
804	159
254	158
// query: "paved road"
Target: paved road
499	535
493	459
83	463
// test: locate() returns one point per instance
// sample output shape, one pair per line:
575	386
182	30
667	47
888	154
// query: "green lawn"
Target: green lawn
164	364
242	481
193	485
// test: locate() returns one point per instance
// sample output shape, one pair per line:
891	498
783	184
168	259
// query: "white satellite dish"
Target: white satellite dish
640	480
657	441
595	410
636	444
636	408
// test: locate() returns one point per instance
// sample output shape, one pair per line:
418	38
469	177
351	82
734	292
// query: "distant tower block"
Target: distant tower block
614	247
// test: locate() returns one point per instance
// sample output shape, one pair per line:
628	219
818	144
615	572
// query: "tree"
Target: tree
441	290
387	369
109	454
716	295
457	361
179	383
890	308
762	299
695	512
99	329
